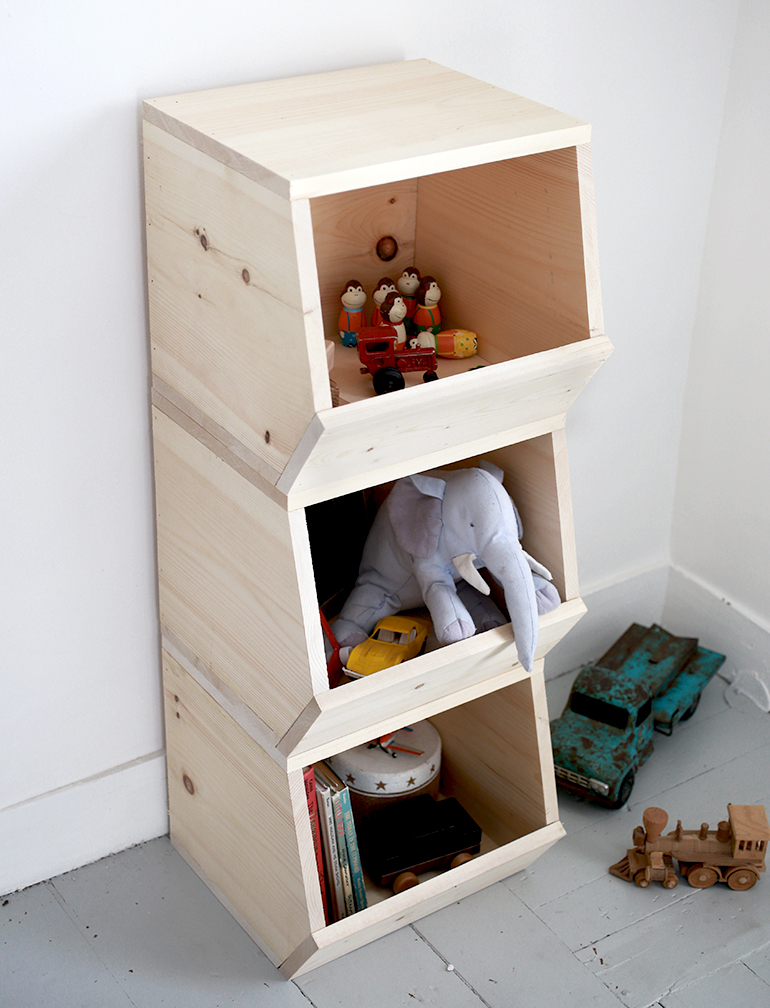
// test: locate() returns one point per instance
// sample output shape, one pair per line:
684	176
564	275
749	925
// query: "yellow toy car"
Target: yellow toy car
395	639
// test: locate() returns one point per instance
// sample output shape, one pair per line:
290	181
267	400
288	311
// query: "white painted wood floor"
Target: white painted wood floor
139	929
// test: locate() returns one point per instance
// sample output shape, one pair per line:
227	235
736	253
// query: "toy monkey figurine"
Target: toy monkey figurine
407	284
384	286
352	317
393	312
427	317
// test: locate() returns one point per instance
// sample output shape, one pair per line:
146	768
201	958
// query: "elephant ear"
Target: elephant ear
498	473
492	469
414	508
519	526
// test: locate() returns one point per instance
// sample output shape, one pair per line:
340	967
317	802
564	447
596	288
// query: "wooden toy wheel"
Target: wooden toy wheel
701	876
641	879
742	878
459	859
670	877
406	880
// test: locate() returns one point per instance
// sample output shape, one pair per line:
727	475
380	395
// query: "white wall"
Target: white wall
721	531
81	772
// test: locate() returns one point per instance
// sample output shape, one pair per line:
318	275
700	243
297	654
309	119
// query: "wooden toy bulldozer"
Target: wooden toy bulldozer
733	853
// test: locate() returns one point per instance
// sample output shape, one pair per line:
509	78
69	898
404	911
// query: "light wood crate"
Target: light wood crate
241	821
258	210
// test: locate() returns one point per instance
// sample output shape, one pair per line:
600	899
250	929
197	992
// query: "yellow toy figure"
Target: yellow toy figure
352	317
427	317
384	286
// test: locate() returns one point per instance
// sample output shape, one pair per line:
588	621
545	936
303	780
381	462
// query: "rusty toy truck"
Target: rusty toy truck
733	853
386	363
648	679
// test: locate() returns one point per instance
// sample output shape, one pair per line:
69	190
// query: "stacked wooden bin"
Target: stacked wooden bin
262	201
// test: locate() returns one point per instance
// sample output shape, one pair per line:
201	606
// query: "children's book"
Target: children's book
315	831
347	838
331	856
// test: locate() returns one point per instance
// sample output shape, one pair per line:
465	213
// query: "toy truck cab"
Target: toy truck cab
604	734
749	833
647	680
386	364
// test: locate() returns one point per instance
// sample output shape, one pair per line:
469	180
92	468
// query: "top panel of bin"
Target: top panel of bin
325	133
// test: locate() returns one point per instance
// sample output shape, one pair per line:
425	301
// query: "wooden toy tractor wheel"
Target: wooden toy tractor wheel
641	879
742	878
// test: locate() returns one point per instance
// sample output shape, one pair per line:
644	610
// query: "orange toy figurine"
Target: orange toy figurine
352	317
393	311
407	284
384	286
427	317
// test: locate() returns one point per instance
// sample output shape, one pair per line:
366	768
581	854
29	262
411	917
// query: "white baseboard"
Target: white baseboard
677	601
80	823
696	609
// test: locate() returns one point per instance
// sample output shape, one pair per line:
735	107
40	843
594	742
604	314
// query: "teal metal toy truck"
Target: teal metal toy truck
647	681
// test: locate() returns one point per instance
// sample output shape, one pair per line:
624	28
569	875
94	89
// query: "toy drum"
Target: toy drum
396	766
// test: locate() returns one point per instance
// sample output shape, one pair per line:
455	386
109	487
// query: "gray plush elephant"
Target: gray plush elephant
433	530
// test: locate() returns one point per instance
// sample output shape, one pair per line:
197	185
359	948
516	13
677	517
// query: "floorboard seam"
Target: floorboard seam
446	962
556	899
753	972
674	988
637	921
574	955
309	1000
75	921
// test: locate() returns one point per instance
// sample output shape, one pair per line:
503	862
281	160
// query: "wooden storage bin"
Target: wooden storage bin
257	212
237	587
241	821
505	239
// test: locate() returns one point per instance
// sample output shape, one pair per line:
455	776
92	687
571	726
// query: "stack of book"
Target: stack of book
336	844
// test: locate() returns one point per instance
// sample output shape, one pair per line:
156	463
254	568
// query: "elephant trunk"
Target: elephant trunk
508	564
